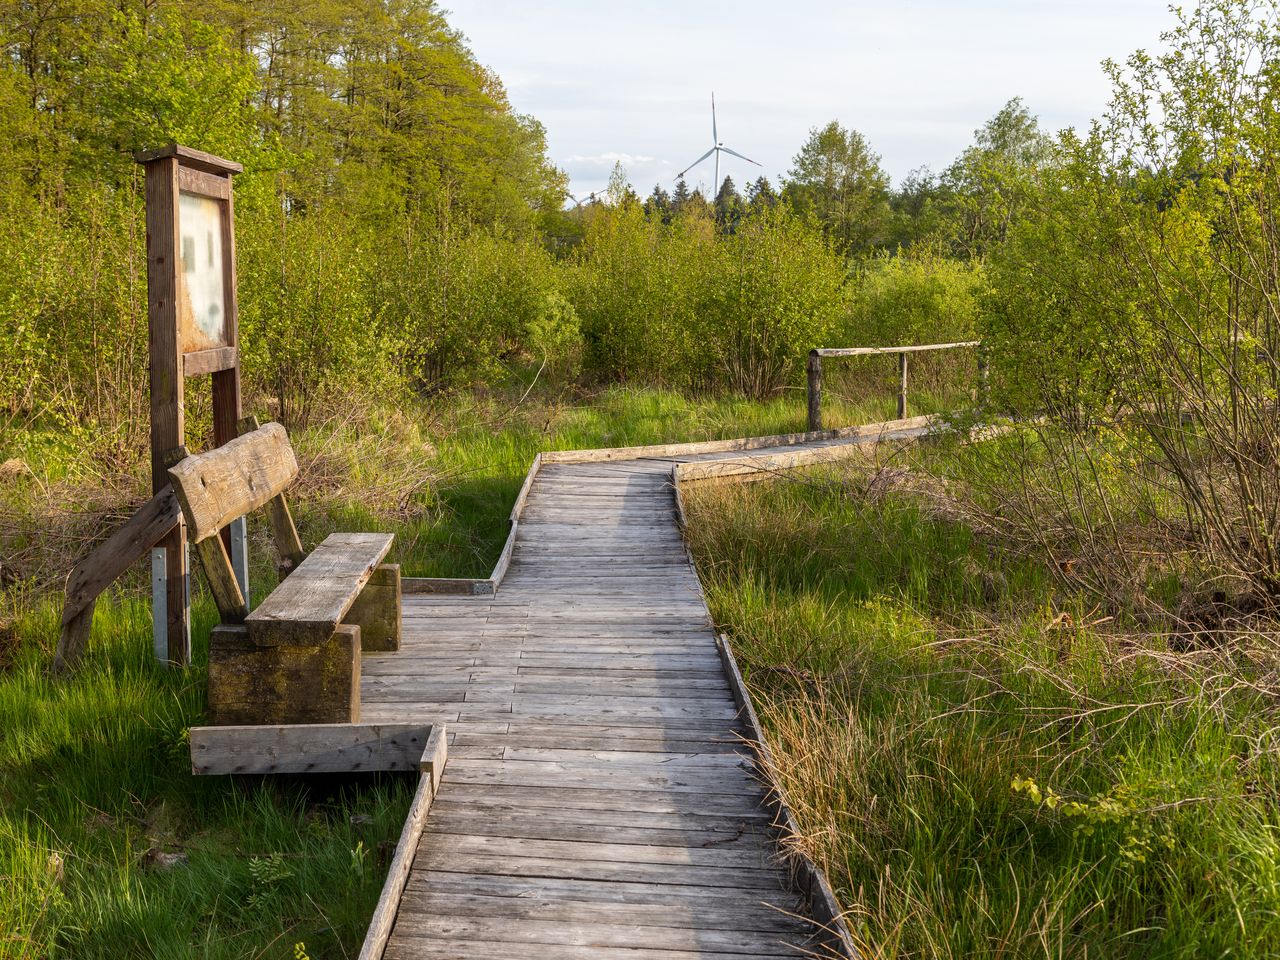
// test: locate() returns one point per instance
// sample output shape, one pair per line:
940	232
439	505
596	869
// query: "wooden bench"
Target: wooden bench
295	659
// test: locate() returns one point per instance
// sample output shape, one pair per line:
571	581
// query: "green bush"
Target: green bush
456	303
680	305
918	296
636	285
778	291
306	322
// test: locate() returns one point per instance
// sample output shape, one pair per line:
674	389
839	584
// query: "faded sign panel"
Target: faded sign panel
202	314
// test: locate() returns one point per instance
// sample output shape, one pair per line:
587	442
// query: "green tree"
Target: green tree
658	205
837	179
680	195
761	196
987	186
728	206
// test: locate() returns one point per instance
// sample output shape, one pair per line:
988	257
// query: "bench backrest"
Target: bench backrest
237	478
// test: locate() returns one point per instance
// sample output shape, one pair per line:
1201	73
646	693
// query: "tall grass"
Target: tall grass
95	785
110	848
986	769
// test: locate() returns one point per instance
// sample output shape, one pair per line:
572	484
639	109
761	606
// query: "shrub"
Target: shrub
677	304
636	285
918	296
456	302
306	323
778	292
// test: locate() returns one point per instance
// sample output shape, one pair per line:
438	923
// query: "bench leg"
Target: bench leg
285	683
377	610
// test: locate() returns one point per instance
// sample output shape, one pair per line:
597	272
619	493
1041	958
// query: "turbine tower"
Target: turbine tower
717	148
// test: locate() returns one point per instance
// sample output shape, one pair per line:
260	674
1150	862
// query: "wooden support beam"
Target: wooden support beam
283	530
377	610
151	524
283	683
166	376
221	577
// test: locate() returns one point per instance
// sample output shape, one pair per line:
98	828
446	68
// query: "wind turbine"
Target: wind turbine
716	147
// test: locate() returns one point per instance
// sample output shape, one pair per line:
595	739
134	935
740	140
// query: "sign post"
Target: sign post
192	331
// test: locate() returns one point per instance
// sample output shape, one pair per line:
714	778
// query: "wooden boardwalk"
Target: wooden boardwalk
598	799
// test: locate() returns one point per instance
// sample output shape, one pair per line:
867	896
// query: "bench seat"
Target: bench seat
296	659
320	594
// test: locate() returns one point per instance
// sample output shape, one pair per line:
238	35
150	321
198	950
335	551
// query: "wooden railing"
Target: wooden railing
814	370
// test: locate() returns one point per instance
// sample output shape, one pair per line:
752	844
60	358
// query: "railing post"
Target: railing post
813	369
983	370
902	386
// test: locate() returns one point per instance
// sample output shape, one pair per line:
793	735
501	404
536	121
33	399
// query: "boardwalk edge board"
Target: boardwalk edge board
310	748
434	756
489	585
727	446
811	878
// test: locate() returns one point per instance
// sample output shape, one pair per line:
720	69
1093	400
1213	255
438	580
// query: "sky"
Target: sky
632	82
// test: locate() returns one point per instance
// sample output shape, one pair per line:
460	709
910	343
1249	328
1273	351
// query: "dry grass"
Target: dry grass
987	763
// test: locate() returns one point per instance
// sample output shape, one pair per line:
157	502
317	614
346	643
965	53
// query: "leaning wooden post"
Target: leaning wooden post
902	386
172	633
813	370
192	331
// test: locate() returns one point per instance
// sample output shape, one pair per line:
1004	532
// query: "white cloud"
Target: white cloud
630	83
607	159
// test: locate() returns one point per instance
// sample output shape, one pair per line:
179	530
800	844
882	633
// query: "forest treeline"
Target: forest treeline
402	230
401	227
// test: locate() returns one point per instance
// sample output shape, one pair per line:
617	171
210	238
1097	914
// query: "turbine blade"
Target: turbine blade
695	163
735	153
715	137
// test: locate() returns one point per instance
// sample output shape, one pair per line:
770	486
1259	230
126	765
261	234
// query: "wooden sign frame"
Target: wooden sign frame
170	173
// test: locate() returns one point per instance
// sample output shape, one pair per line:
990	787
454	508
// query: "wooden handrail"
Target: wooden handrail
869	351
813	371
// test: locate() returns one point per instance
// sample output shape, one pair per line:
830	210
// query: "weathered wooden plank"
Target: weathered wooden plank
190	157
308	748
476	822
317	596
203	362
874	351
447	586
606	776
535	902
575	861
384	914
215	488
678	897
529	932
497	810
595	798
654	757
434	754
432	948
